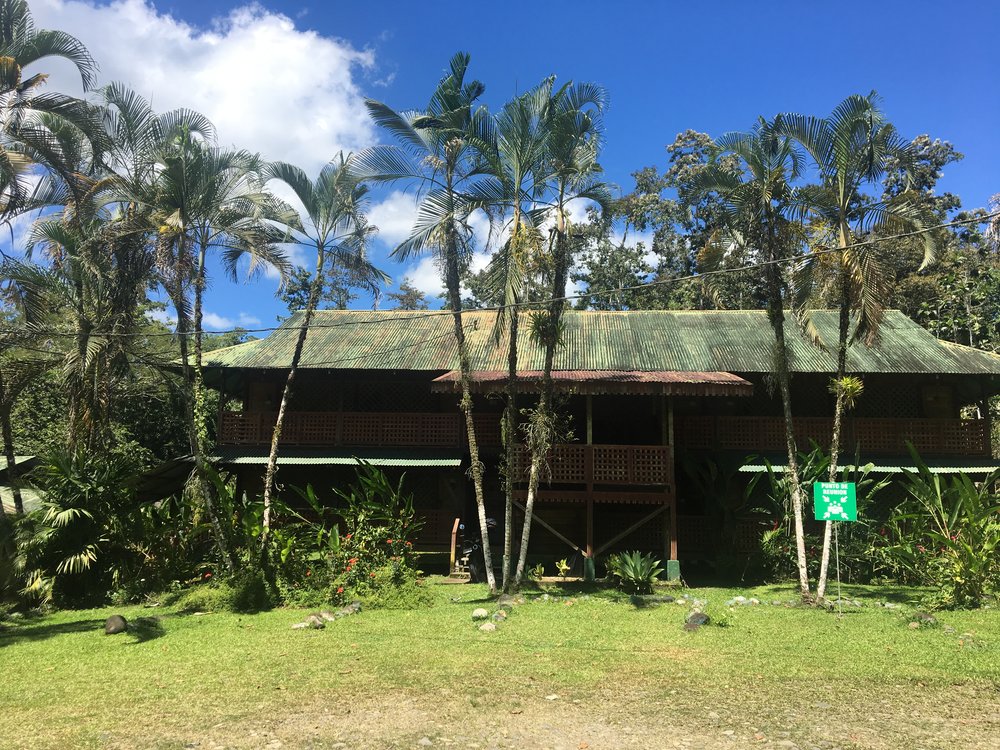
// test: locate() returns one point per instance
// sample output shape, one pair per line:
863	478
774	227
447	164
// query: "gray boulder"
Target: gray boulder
480	614
695	620
115	624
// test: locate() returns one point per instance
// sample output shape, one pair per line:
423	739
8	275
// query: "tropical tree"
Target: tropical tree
335	226
514	156
435	153
572	145
854	148
26	113
757	195
209	199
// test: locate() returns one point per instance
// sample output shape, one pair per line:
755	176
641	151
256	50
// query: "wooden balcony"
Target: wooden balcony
622	465
969	437
388	429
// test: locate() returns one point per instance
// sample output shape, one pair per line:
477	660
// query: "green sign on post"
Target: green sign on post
835	501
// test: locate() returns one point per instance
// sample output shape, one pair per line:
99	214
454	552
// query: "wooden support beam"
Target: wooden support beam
670	538
590	524
590	419
638	524
547	527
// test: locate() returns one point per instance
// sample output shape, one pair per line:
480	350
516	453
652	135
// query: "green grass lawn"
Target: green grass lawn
576	671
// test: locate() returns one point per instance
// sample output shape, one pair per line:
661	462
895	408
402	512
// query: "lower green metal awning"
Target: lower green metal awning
952	465
235	455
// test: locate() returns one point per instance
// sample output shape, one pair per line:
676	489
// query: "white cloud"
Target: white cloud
425	275
394	217
162	316
215	322
268	86
246	320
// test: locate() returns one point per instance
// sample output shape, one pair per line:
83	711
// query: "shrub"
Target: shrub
947	535
90	538
635	572
366	554
249	592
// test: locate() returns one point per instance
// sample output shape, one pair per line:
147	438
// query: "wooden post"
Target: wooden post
588	464
454	540
671	538
590	419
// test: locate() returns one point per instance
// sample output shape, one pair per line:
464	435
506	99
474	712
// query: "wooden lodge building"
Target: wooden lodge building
641	388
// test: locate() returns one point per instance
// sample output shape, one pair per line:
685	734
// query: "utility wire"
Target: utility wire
822	250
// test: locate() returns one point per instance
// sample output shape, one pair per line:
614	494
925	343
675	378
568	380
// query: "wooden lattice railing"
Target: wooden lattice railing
874	436
344	428
573	463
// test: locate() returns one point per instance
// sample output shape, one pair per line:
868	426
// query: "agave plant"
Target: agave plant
636	572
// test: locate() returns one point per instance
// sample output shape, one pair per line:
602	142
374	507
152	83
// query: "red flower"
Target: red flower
340	589
389	541
352	561
409	544
372	575
348	536
309	573
208	574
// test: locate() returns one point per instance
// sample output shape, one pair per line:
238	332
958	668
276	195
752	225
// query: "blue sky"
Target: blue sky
297	72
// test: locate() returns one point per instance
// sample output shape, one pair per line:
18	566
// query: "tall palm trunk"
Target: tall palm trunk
453	278
315	290
541	434
838	415
776	313
8	449
510	443
197	411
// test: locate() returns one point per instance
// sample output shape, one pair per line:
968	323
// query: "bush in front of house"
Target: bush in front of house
366	555
634	572
946	534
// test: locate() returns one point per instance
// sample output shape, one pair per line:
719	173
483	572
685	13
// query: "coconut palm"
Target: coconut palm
335	226
757	195
435	152
853	148
572	144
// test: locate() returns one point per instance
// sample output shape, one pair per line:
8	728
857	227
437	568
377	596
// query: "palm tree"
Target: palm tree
572	145
757	195
25	138
852	148
515	157
334	224
435	152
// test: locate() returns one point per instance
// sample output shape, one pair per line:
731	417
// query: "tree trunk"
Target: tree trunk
776	313
540	436
453	279
838	419
272	460
510	441
199	423
8	449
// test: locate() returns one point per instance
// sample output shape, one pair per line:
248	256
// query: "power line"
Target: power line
536	303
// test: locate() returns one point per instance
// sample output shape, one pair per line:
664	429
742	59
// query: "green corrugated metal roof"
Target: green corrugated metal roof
718	340
405	457
952	465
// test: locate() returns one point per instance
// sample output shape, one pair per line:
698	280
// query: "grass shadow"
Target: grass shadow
144	629
41	632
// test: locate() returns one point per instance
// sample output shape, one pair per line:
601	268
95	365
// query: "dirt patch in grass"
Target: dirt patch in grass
806	717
